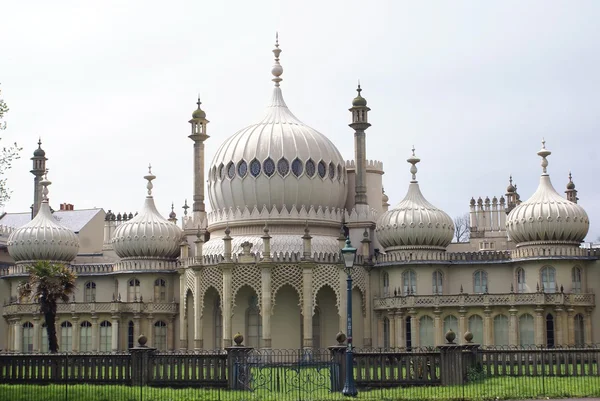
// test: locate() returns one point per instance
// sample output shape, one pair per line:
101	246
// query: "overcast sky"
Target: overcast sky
110	86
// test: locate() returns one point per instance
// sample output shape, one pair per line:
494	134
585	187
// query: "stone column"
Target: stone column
171	333
198	302
513	327
379	317
570	326
438	328
414	329
400	329
308	307
392	320
487	326
18	336
76	336
183	321
136	328
462	325
114	338
36	334
539	331
265	304
226	306
150	329
587	326
368	336
343	301
10	344
95	334
559	326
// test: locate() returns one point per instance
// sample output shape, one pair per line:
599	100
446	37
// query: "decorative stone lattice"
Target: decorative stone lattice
210	276
246	275
359	281
190	281
286	274
326	275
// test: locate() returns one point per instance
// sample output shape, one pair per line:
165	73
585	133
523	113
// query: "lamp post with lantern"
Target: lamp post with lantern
349	256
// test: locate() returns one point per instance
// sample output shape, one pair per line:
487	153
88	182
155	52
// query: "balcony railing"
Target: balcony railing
464	300
96	307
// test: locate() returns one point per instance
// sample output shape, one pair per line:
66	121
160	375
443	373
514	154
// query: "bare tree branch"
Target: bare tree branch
7	156
462	229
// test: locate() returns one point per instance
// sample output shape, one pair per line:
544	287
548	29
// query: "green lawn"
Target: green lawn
486	389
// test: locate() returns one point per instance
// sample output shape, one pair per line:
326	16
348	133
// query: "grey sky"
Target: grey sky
110	86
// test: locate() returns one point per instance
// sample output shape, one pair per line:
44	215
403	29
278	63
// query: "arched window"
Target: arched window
501	330
386	333
450	322
426	334
437	281
476	327
45	347
480	282
160	290
133	290
386	284
253	323
576	280
85	337
160	335
409	282
130	334
27	342
408	331
548	274
90	292
105	336
579	330
66	337
217	325
526	334
520	280
550	330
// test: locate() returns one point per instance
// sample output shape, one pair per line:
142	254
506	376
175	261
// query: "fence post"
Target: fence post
141	369
455	360
338	357
238	371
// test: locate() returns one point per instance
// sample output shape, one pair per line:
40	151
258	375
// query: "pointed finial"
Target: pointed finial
266	228
198	102
277	69
413	169
40	143
543	153
359	89
149	178
185	207
172	206
45	183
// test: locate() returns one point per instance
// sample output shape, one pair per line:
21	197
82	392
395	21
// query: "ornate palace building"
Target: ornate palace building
264	259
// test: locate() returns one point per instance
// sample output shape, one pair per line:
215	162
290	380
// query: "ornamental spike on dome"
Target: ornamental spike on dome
149	177
45	183
544	153
277	69
413	160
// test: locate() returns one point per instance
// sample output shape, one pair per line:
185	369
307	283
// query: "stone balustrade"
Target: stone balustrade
483	300
95	308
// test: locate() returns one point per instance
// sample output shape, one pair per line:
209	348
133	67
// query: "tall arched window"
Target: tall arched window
90	292
426	333
160	290
576	280
480	282
253	323
85	337
218	325
526	334
66	337
548	274
130	334
160	335
437	281
45	347
476	327
501	330
408	331
409	282
386	333
105	336
27	342
520	280
450	322
386	284
550	330
579	330
133	290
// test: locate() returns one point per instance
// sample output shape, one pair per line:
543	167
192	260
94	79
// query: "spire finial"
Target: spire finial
172	206
40	143
413	160
45	183
359	89
544	153
277	69
510	179
149	178
185	207
198	102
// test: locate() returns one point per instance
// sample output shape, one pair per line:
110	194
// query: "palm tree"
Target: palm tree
47	284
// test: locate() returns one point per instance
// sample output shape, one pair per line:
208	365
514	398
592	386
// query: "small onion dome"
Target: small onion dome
147	235
472	202
414	223
359	101
43	238
384	198
39	152
511	188
570	184
198	113
546	217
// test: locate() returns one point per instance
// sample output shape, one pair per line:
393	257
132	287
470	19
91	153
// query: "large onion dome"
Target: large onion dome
43	238
414	223
547	217
278	162
148	235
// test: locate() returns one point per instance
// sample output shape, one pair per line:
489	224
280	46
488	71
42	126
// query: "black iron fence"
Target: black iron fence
452	372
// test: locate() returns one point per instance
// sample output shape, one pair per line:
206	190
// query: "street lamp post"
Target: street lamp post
349	255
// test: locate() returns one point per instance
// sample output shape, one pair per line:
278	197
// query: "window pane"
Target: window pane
526	335
426	335
501	330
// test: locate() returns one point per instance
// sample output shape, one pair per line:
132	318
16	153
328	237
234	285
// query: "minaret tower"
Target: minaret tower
38	171
198	135
360	122
571	191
